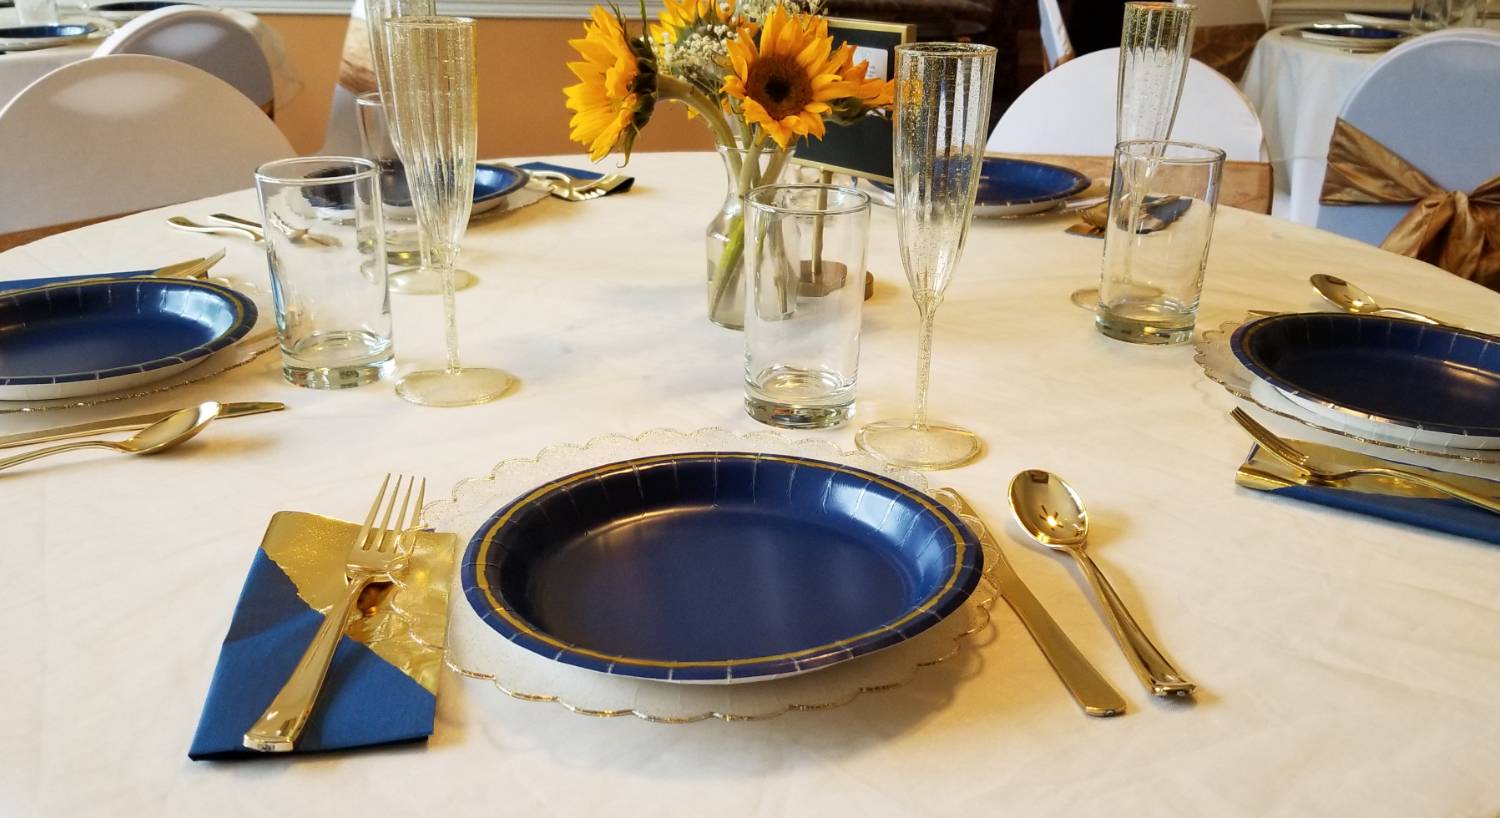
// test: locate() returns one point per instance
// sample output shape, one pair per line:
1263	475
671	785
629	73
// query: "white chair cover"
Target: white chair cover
124	133
1071	110
203	38
1435	102
341	135
1057	48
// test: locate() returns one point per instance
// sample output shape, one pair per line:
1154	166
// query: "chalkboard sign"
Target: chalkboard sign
862	148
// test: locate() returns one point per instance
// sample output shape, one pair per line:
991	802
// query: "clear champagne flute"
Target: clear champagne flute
422	279
435	108
1155	43
942	109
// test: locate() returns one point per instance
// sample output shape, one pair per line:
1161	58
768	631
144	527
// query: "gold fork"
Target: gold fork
1285	452
376	555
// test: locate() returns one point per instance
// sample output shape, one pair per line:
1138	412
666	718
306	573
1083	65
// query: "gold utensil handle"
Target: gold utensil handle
1450	489
279	727
1092	692
16	460
1154	669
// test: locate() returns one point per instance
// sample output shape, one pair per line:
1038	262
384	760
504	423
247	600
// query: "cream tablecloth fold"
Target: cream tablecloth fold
1347	666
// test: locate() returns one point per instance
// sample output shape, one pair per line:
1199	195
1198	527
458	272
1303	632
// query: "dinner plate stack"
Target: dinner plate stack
79	341
1397	383
678	576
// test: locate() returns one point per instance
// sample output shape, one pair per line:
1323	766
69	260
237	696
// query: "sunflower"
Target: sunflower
616	92
793	76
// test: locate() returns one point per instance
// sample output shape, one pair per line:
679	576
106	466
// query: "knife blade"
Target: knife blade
125	424
1089	689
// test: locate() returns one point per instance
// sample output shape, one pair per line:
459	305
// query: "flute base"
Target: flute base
931	447
427	281
1087	299
467	386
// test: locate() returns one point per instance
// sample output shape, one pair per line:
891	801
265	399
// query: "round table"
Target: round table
19	69
1298	88
1345	664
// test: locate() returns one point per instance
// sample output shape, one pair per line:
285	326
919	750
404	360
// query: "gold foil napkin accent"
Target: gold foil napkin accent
404	622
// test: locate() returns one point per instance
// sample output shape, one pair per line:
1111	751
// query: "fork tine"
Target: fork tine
1265	437
393	534
416	520
364	530
378	536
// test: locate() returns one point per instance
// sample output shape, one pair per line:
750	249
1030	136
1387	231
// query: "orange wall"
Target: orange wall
521	75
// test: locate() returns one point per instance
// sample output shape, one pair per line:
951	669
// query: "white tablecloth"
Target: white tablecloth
19	69
1348	666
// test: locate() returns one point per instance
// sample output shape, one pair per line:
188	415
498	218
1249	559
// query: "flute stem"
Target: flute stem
443	258
927	308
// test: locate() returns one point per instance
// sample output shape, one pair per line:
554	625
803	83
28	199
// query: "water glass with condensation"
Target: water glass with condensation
1163	197
402	237
325	244
805	288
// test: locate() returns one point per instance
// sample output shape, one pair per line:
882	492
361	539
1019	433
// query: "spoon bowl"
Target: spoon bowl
1048	508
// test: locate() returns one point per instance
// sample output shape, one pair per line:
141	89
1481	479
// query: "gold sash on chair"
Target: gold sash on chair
356	74
1457	231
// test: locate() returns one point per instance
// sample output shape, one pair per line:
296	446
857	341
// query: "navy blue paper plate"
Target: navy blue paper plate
1353	34
67	340
29	38
1383	370
718	567
492	183
1021	187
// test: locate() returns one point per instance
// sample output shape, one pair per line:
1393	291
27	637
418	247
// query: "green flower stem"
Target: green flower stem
675	89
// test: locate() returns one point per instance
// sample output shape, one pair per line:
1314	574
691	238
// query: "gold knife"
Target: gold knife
125	424
1089	689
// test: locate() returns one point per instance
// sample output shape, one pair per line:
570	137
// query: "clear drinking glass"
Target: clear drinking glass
416	276
36	12
1161	216
942	109
402	237
325	246
1156	42
434	105
1431	15
805	257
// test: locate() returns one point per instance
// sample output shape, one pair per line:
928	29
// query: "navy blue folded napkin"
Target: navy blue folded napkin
1389	500
584	175
382	686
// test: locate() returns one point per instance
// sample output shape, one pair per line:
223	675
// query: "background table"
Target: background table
1299	88
1348	666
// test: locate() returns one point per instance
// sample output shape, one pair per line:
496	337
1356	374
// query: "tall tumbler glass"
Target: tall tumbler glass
942	110
402	236
1156	43
434	103
416	275
1161	217
325	245
1431	15
36	12
805	258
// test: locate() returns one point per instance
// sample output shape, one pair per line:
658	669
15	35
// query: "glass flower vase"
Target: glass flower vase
744	169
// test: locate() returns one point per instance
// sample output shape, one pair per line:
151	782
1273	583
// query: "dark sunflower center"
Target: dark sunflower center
779	85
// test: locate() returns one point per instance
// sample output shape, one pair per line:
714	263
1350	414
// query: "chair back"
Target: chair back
1056	47
1071	110
125	133
1435	102
204	38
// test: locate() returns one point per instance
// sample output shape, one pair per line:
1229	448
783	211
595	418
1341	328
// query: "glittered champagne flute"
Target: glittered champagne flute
435	108
942	108
421	279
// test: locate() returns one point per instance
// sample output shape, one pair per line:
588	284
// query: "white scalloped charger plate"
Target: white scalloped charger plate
475	650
